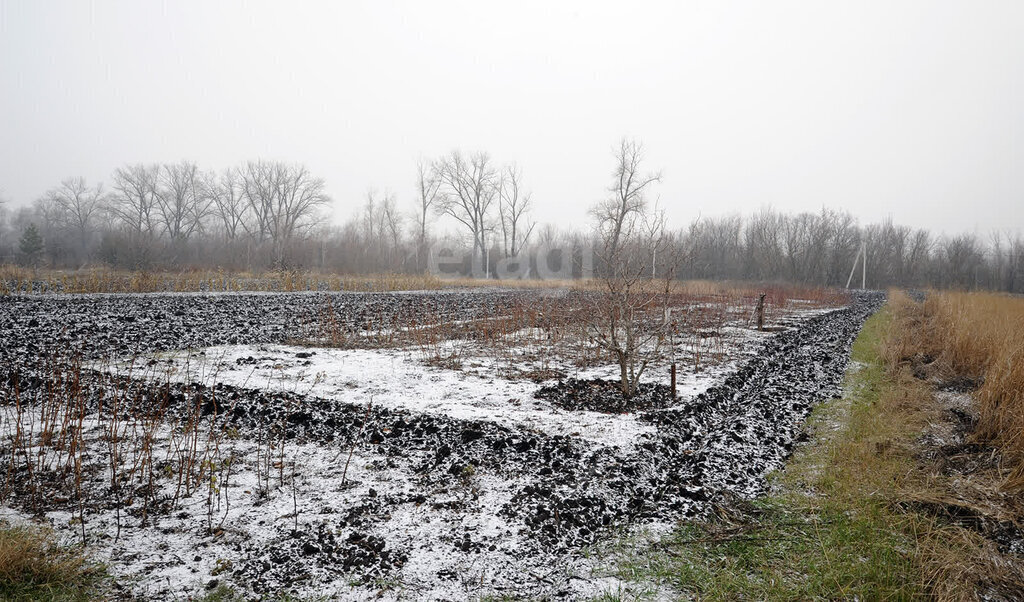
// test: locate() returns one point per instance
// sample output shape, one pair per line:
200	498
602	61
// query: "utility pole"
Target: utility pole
864	266
853	268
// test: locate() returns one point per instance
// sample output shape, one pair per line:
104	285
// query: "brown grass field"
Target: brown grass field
972	341
15	279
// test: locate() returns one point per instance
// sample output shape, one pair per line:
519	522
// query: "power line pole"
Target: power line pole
864	266
853	268
862	256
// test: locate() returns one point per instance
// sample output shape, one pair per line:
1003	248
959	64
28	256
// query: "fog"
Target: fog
902	110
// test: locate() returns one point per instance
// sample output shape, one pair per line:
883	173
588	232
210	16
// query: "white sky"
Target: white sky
905	109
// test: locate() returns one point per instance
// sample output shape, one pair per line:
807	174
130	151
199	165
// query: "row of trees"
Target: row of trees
820	248
264	214
166	207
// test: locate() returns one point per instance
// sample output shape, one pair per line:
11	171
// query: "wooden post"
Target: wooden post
672	345
761	312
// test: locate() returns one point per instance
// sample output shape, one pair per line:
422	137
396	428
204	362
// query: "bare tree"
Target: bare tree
229	205
715	246
629	315
3	222
1015	275
619	213
921	245
964	259
392	227
428	186
468	190
183	199
48	219
380	228
259	188
134	199
844	243
513	204
761	244
284	201
795	230
79	206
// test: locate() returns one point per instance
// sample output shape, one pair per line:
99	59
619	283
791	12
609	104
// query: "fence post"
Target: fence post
760	312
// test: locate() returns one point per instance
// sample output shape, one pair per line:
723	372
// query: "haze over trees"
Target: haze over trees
262	215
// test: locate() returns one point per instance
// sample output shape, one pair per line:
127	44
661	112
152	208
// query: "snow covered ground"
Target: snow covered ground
439	542
398	379
390	477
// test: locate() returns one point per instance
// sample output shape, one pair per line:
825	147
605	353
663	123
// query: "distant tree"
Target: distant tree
963	261
284	201
1015	276
428	186
513	204
844	242
229	204
618	214
920	250
134	200
392	221
183	199
762	253
469	188
715	244
380	230
77	207
31	244
3	224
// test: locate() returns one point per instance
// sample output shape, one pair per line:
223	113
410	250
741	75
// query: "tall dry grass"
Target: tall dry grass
976	339
18	280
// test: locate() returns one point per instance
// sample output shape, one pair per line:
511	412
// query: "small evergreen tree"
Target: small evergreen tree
31	244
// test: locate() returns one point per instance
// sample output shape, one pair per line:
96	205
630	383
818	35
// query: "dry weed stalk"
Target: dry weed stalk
85	439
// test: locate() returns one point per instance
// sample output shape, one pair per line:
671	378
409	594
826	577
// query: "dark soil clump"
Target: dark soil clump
565	492
599	395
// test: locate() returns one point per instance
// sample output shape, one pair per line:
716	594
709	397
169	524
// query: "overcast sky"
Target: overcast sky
913	110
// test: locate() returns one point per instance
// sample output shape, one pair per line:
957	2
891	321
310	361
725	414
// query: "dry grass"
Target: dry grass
827	530
776	294
964	340
557	329
960	564
867	511
33	567
17	280
881	466
976	340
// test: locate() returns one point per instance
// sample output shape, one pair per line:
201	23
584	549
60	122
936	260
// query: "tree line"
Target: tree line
263	215
820	248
